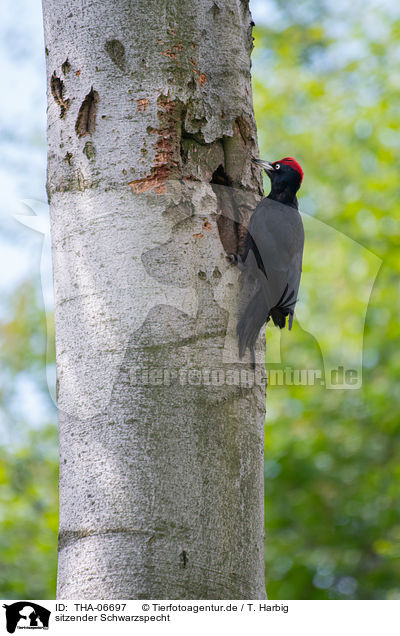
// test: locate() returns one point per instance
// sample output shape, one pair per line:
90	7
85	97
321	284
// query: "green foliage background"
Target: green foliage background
327	91
28	454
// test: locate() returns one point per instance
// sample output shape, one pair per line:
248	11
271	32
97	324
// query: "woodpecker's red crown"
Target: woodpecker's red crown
292	163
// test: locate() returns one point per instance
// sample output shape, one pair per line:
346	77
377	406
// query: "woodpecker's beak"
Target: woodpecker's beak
268	167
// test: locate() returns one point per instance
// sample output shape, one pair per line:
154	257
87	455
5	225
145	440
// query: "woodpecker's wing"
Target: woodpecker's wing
277	240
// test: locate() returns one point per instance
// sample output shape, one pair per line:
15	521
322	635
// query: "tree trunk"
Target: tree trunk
150	132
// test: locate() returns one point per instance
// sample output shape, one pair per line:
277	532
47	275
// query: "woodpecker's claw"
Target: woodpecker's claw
232	259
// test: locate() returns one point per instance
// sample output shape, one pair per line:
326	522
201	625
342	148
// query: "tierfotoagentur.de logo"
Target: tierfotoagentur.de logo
26	615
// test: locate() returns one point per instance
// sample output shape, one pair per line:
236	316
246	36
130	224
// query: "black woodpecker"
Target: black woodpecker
272	254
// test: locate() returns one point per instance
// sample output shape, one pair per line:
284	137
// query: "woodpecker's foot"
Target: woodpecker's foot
232	259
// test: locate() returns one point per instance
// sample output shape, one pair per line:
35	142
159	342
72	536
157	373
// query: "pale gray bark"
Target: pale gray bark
161	483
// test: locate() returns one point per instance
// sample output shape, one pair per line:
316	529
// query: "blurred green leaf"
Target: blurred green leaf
327	91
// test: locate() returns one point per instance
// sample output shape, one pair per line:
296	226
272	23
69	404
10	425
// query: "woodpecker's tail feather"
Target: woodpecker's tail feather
256	315
250	323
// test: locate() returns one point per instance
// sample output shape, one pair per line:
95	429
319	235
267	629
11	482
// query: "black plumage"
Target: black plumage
273	254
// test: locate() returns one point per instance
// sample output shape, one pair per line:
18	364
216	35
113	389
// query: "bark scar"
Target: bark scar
66	66
86	120
184	559
58	92
116	51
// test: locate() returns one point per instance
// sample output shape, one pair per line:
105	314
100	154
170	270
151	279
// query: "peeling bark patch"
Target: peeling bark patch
66	66
183	559
86	120
201	77
58	92
89	150
198	236
142	104
167	158
172	52
207	225
116	51
169	53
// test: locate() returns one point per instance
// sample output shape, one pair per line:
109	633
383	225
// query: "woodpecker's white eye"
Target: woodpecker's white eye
277	166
